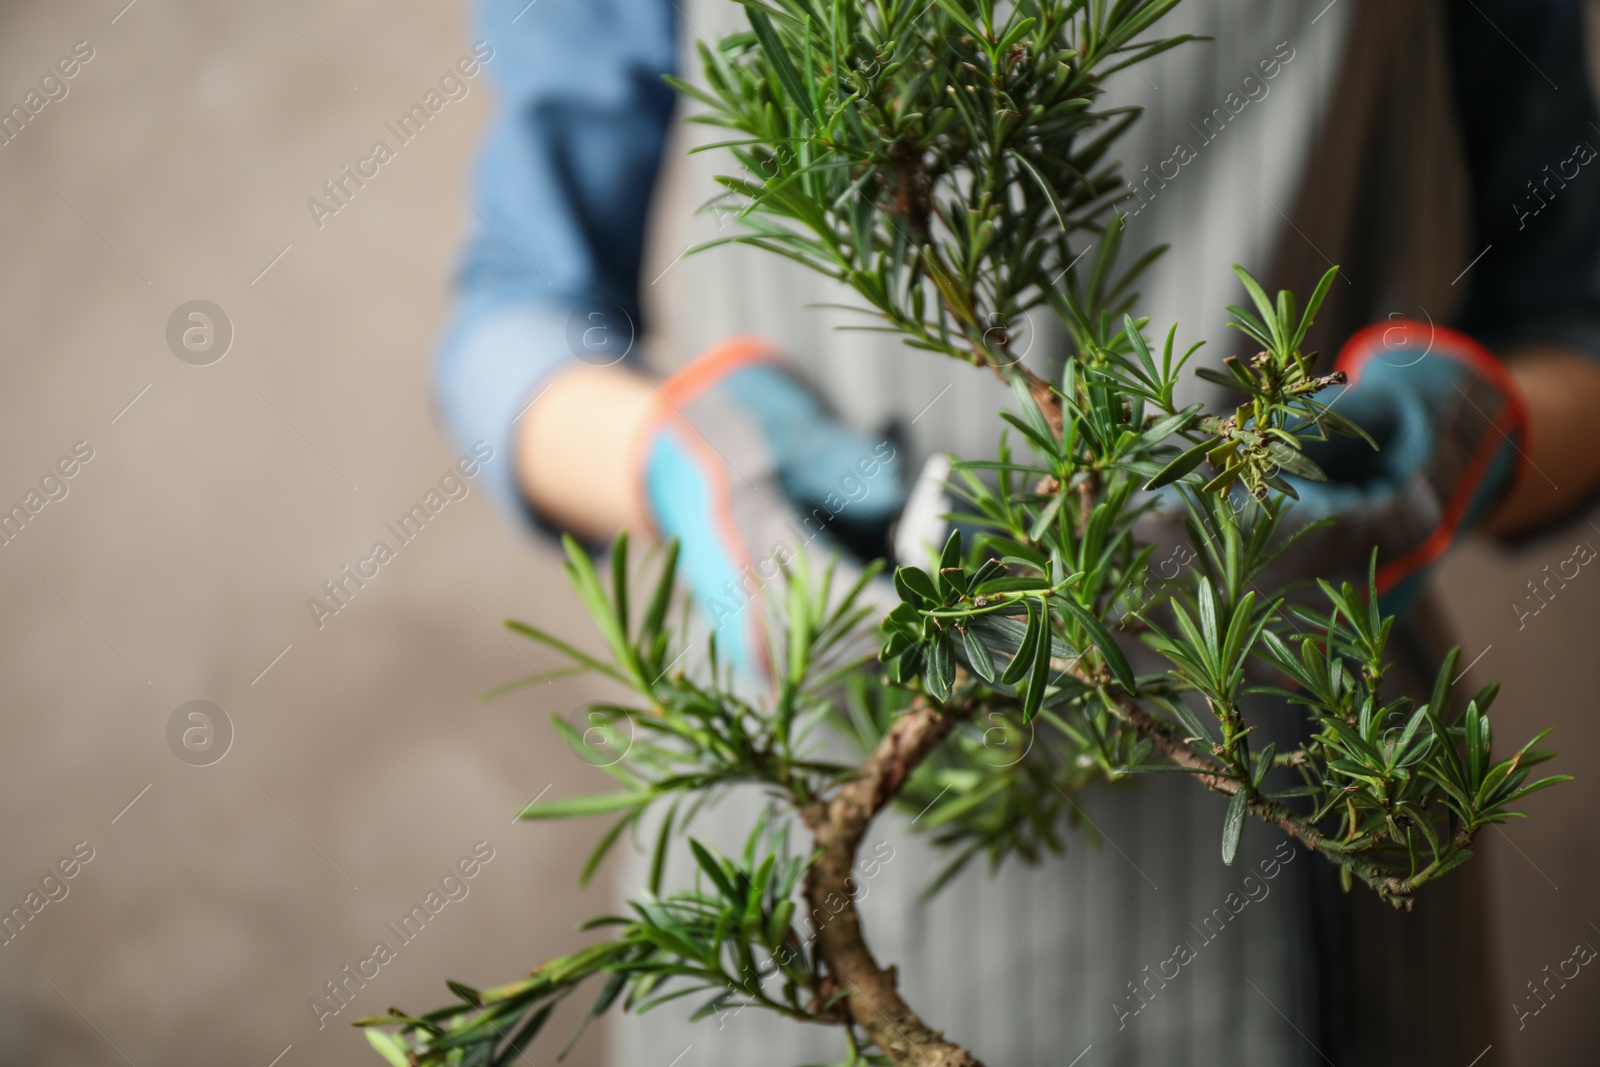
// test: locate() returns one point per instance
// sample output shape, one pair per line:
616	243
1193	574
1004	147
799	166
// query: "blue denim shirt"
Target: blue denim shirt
563	182
557	208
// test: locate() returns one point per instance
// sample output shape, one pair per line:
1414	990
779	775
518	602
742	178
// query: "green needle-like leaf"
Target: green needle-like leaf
1233	825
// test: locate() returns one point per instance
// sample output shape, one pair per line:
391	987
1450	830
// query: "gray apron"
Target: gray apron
1037	966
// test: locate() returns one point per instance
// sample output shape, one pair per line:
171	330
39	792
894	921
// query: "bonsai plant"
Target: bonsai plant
949	162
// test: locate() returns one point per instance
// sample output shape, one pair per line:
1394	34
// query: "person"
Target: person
1365	134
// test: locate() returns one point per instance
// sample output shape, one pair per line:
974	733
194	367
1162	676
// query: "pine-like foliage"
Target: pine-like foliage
949	162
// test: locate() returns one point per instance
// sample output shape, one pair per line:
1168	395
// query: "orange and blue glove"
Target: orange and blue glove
746	469
1451	430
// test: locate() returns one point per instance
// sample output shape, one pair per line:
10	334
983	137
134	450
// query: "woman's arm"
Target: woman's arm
557	209
1561	386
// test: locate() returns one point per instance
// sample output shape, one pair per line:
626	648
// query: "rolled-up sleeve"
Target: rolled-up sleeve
556	209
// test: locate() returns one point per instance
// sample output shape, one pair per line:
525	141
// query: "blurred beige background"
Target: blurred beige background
179	564
192	540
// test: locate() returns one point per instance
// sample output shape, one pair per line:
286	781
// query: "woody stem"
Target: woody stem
869	991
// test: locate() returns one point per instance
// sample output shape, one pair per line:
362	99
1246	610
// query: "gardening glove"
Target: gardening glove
1451	430
746	469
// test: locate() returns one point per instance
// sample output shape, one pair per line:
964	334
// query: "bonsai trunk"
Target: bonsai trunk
866	990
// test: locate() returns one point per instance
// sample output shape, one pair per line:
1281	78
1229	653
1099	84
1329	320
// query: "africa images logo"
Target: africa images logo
453	85
343	587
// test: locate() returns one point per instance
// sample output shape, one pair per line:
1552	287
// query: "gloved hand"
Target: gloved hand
1451	430
746	469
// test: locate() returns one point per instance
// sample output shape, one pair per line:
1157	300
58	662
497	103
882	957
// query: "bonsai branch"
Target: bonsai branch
1397	891
838	825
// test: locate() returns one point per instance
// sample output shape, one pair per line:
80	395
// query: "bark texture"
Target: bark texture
866	990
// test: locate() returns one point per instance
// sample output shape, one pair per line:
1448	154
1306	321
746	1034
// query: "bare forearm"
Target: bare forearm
578	449
1562	390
